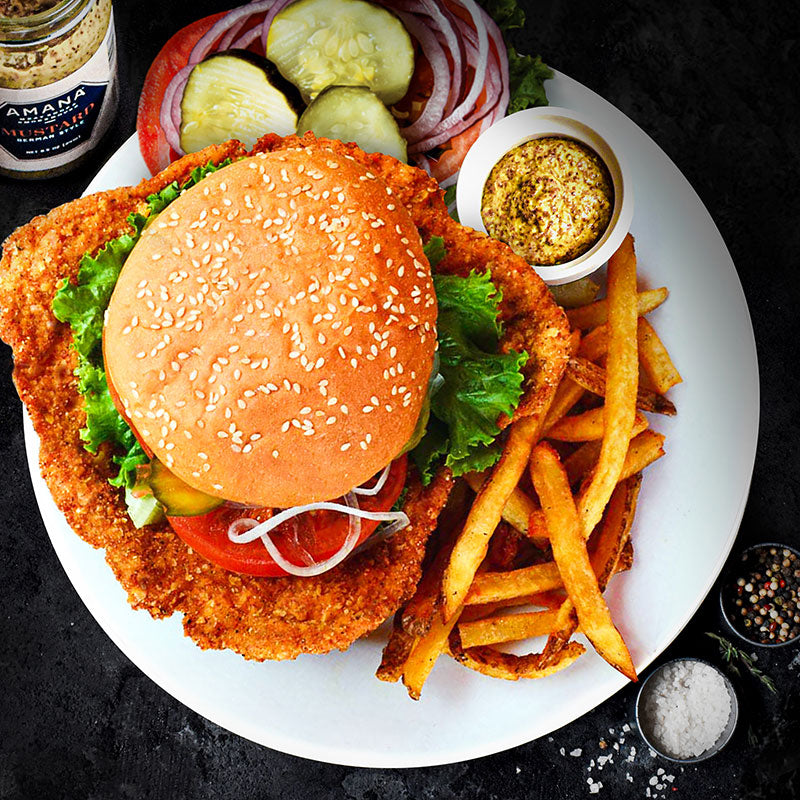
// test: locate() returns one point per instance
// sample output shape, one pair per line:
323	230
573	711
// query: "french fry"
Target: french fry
537	530
567	395
643	450
508	549
621	384
579	463
518	507
611	552
596	313
509	628
426	650
588	426
551	599
548	600
655	359
615	531
486	512
569	551
646	448
593	378
491	587
396	653
508	666
595	344
419	612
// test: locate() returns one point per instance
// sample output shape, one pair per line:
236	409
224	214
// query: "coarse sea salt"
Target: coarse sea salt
685	708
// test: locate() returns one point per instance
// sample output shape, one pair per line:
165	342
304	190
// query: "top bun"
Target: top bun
272	334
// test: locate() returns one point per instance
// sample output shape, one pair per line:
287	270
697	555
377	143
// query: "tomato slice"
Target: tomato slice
319	534
173	56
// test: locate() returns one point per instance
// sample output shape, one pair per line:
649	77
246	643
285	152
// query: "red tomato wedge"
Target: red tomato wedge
319	534
174	55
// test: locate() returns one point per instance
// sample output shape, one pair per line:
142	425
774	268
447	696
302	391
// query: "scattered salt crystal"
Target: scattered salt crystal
660	771
653	753
562	751
594	788
628	777
653	781
626	728
576	752
685	708
519	770
617	744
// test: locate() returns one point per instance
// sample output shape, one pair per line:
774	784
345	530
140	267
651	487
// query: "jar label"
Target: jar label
50	126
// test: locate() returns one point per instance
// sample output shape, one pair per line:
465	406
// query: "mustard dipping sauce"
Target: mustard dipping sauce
549	199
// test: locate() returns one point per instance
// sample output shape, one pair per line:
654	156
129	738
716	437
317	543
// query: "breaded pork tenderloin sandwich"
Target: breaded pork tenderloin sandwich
256	378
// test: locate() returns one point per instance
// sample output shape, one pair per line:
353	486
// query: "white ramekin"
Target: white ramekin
534	123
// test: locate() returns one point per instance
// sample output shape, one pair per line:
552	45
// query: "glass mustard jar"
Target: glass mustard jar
58	83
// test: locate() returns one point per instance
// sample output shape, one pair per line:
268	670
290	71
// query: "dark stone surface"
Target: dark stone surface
716	85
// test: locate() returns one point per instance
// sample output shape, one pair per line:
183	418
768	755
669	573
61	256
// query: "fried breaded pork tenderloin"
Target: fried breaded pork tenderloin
261	618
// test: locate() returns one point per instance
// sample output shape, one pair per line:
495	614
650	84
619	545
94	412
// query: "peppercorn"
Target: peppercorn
762	598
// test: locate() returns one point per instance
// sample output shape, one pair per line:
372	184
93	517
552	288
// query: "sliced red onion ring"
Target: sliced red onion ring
206	43
379	484
459	56
172	97
434	107
502	60
444	27
247	38
248	530
230	36
447	125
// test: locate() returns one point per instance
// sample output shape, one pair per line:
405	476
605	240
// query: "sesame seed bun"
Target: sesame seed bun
272	334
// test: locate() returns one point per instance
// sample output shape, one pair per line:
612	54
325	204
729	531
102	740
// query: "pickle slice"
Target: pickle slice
236	94
321	43
176	496
354	114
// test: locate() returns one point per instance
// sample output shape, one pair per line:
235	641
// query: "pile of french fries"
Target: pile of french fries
551	539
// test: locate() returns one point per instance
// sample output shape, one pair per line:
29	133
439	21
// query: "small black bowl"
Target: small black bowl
722	739
730	576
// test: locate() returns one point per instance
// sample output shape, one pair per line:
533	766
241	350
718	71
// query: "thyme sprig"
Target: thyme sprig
731	653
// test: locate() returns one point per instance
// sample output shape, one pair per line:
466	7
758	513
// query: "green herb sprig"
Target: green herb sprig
731	653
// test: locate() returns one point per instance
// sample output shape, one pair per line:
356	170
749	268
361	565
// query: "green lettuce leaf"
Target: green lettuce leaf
434	250
82	305
480	384
506	13
527	74
431	449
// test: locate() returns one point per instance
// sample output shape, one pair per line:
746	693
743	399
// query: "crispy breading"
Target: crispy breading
261	618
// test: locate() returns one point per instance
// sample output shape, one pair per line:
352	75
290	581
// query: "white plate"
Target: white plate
331	708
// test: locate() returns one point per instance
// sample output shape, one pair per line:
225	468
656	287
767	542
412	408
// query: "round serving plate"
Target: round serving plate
332	708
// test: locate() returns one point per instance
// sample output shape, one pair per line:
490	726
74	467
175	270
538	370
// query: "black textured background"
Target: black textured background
716	85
